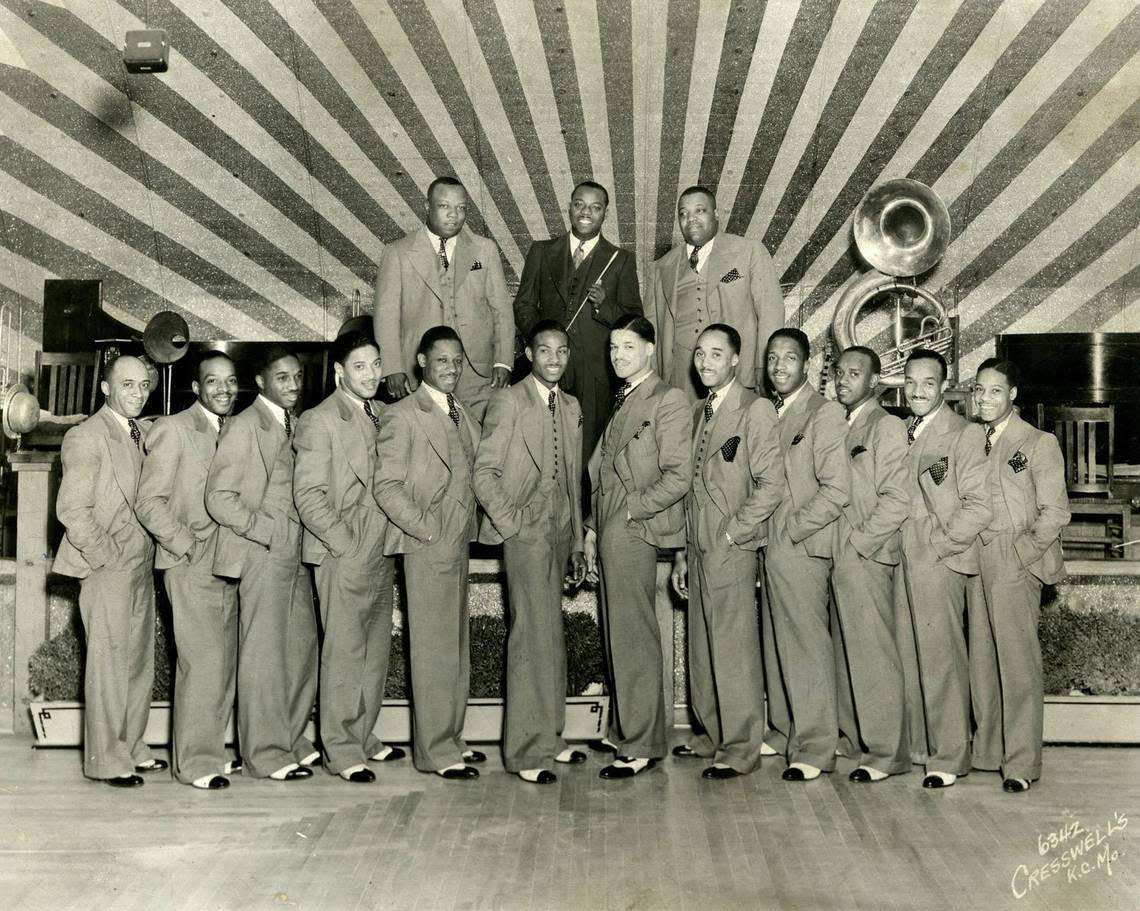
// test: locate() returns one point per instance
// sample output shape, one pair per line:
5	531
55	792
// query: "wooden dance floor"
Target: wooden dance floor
666	840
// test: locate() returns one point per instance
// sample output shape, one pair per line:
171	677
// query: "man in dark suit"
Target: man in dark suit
343	540
423	481
712	277
249	493
738	481
585	283
528	480
946	479
1021	551
797	565
172	506
443	274
640	472
106	547
865	554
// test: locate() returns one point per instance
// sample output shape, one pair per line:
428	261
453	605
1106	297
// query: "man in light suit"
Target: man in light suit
445	275
797	565
106	547
423	481
865	552
639	474
712	277
343	540
584	282
249	493
1021	551
172	506
528	480
946	479
738	481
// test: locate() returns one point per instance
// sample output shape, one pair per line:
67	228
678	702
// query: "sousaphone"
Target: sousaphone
902	229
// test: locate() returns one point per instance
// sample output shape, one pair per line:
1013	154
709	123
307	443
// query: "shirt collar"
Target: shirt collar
927	419
121	420
703	254
358	402
587	245
542	390
440	398
721	394
276	410
999	428
791	397
211	417
855	414
632	384
435	239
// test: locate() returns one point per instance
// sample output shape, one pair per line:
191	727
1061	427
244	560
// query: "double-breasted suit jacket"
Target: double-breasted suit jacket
528	480
249	492
414	293
639	473
344	529
949	507
172	506
738	481
106	546
424	484
1021	551
866	551
797	568
737	285
550	288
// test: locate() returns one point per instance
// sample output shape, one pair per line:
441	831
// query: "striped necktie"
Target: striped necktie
371	414
989	439
709	407
912	430
443	254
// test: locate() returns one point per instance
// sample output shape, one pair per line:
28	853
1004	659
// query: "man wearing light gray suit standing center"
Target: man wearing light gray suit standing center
426	458
444	275
172	504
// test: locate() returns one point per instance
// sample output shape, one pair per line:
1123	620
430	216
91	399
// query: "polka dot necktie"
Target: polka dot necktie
694	259
443	261
452	409
912	430
621	396
288	426
136	437
709	407
371	414
989	439
550	402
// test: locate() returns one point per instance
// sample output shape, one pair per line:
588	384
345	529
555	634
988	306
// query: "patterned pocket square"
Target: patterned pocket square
938	469
797	439
728	450
1018	462
856	450
476	266
729	277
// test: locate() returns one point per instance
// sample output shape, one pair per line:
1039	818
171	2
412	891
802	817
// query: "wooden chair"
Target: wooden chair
1087	435
67	383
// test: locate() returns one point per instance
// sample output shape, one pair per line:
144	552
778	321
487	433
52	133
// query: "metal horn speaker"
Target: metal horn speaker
166	337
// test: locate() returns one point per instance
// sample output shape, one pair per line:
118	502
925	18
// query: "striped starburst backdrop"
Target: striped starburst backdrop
253	186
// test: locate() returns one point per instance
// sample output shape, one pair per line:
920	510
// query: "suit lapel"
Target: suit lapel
599	256
356	451
464	256
557	263
795	420
125	458
428	414
532	421
204	437
569	426
426	262
267	441
634	422
714	269
726	419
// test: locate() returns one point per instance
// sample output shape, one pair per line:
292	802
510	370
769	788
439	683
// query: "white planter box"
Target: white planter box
1092	719
60	724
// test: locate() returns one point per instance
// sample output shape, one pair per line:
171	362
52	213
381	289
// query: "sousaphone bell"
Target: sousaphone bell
165	340
902	229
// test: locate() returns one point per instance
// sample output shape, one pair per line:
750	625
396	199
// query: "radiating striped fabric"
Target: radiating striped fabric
252	187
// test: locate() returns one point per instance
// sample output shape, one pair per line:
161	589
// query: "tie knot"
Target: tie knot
913	428
709	407
778	401
136	437
443	254
221	422
452	409
371	414
694	257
